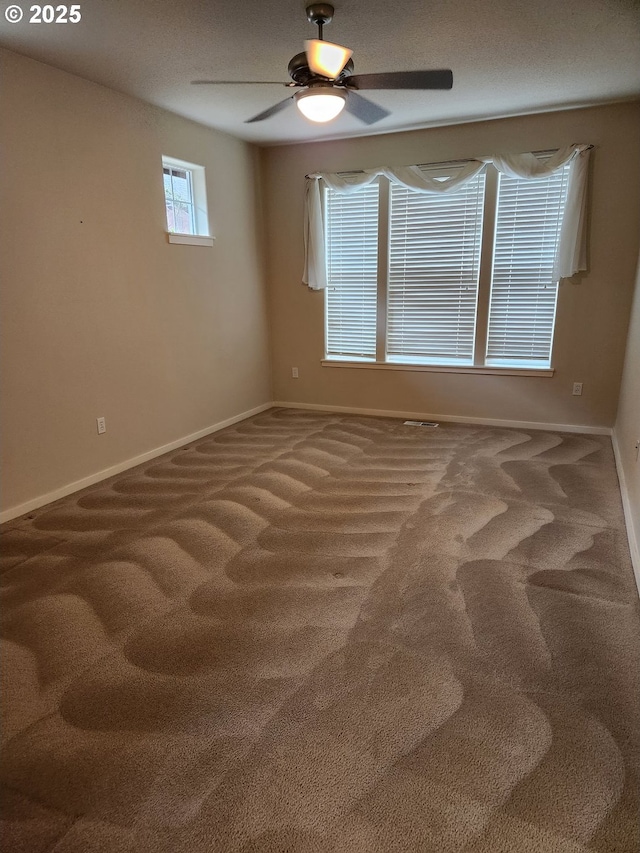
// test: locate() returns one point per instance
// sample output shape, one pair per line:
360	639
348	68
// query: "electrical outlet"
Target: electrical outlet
577	389
102	425
294	372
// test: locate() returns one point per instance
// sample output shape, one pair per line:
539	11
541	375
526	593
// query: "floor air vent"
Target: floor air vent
430	424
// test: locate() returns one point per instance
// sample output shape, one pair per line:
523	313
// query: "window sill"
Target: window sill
434	368
190	239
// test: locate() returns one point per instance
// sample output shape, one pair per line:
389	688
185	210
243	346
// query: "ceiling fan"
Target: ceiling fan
324	74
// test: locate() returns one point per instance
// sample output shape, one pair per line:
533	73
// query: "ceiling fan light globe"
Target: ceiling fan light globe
326	58
320	105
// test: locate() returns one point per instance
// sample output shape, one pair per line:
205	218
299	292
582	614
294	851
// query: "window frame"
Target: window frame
201	234
488	227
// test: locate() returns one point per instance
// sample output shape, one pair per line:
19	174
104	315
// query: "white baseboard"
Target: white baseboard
459	419
77	485
634	545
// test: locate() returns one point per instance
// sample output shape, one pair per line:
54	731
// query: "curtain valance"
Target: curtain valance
571	255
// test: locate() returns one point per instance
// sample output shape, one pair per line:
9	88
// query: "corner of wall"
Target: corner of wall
634	544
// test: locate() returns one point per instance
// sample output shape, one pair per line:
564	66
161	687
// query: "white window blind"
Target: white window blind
352	266
434	260
523	292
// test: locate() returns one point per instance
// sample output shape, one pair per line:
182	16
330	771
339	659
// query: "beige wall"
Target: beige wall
100	315
593	313
627	429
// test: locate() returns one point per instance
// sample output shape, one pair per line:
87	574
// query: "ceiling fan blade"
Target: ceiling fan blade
326	58
364	109
437	79
237	82
271	111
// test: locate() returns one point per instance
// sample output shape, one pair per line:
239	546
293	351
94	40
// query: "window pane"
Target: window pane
183	218
523	292
352	265
171	222
434	262
181	186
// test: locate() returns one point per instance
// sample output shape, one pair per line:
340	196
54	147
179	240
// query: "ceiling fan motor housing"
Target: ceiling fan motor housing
301	74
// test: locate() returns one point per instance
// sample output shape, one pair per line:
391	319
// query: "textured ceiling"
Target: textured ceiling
508	57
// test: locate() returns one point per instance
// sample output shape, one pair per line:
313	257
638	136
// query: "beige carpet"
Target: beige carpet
323	633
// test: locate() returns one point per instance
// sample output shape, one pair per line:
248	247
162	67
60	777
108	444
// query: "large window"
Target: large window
460	278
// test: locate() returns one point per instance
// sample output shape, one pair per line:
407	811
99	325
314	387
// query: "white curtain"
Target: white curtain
571	256
315	267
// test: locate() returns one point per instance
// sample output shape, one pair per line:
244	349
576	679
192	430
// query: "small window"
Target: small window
178	196
185	195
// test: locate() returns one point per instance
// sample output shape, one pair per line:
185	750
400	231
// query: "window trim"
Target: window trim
438	368
479	365
189	239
